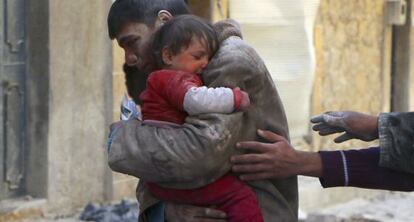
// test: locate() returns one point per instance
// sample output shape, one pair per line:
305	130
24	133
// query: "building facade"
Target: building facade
55	103
61	82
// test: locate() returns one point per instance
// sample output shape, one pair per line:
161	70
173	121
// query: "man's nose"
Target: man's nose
130	59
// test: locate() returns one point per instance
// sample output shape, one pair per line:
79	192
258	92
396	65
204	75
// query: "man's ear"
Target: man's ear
163	17
166	56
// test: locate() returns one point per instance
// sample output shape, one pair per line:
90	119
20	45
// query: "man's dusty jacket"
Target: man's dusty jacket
199	152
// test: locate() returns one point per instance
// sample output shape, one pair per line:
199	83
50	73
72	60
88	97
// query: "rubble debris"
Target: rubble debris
126	211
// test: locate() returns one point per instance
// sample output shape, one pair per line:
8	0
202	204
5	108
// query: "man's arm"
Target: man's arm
275	159
395	131
356	168
359	168
189	156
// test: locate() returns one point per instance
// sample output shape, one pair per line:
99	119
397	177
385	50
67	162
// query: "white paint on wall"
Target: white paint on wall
281	31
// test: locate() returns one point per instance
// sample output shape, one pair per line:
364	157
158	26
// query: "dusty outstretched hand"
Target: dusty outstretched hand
353	125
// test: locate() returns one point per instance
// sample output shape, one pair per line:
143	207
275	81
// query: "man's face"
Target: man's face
134	38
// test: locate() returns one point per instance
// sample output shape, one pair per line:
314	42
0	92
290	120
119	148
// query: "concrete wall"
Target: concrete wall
80	101
353	59
213	10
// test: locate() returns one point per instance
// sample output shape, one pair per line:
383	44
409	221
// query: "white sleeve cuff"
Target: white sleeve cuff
198	100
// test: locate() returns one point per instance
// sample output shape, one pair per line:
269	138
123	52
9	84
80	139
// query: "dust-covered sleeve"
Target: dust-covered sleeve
396	135
186	157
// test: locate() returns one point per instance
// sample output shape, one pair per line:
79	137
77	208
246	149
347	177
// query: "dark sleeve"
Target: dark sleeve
396	134
359	168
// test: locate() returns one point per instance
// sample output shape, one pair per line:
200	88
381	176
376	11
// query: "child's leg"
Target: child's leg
241	205
227	193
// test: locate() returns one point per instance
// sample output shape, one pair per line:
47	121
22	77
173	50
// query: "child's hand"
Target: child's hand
245	100
245	103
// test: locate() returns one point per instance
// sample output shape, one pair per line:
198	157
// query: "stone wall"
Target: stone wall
353	55
80	101
213	10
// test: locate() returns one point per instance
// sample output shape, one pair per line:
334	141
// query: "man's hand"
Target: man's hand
353	125
274	160
188	213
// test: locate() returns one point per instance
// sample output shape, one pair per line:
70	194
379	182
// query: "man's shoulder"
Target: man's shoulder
234	42
238	51
231	40
227	28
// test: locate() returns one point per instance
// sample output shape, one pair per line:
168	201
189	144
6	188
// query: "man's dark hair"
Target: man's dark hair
143	11
178	33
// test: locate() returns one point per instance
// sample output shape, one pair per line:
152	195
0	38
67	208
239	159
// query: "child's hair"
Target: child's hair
177	34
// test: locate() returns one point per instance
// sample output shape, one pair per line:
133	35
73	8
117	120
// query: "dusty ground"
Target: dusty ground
392	207
337	205
353	204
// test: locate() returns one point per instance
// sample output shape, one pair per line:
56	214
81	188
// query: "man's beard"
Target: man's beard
135	80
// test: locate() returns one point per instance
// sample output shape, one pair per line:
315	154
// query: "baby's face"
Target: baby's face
192	59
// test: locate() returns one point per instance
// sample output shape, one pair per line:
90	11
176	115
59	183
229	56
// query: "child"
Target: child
182	48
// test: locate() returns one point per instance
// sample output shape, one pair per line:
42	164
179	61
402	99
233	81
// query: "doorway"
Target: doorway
12	98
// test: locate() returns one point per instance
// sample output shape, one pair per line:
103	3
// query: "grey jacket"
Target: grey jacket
198	153
396	134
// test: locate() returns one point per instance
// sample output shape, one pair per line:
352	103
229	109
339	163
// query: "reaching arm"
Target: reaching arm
356	168
359	168
274	159
395	131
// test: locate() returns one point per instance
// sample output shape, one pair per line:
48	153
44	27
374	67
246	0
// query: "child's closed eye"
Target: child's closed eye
199	55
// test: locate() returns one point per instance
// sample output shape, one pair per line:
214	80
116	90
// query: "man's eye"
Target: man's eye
132	42
197	57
